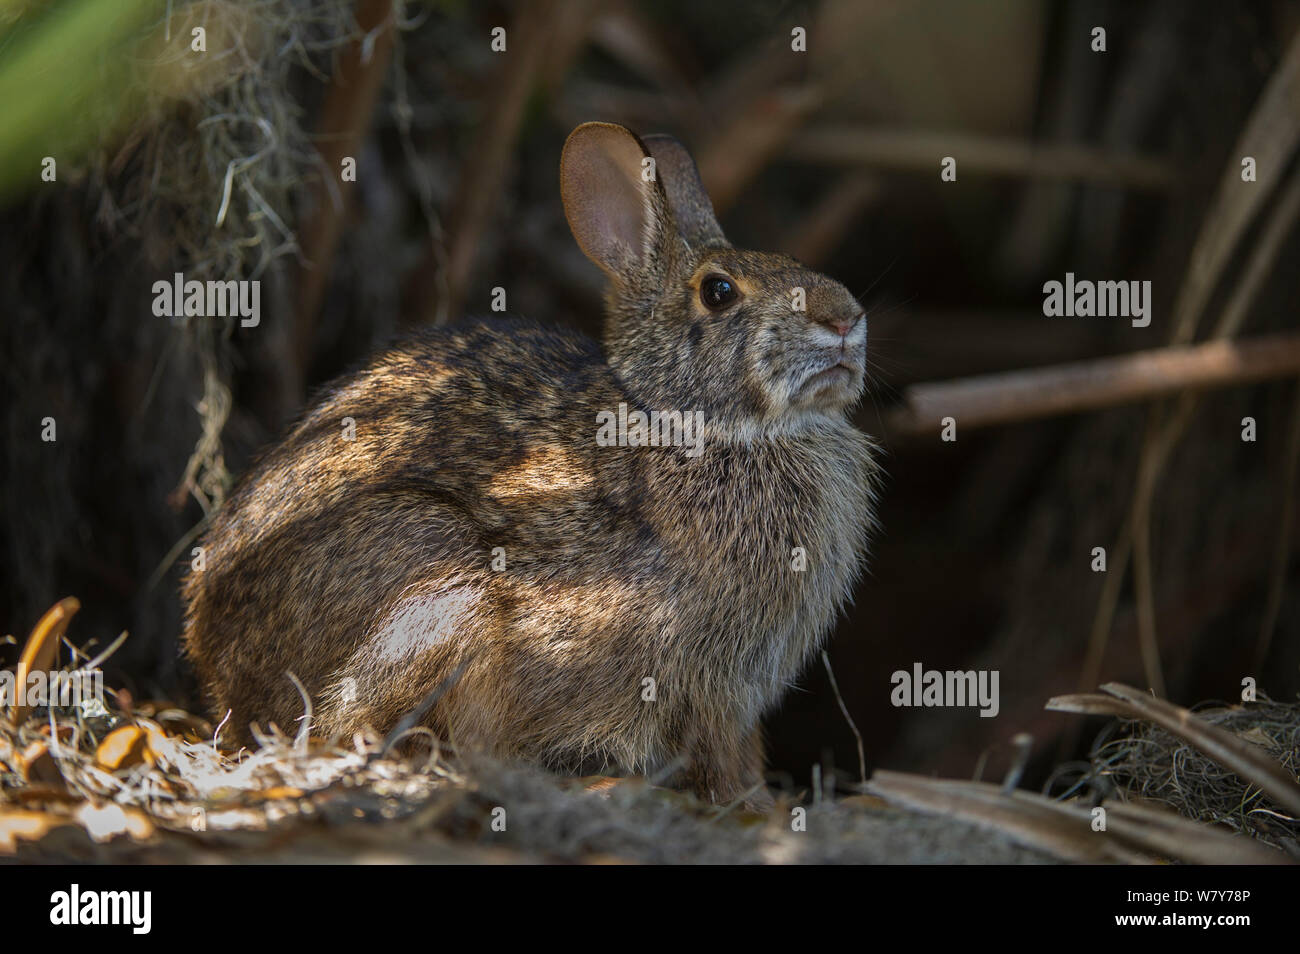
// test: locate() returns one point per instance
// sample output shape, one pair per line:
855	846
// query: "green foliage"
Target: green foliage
66	79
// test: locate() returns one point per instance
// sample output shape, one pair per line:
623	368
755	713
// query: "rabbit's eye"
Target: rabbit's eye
717	292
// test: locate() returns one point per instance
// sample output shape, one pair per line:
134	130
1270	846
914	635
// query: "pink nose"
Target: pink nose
842	326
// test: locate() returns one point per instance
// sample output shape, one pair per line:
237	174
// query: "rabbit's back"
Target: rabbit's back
371	531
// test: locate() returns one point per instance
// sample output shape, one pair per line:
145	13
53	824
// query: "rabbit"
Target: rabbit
628	604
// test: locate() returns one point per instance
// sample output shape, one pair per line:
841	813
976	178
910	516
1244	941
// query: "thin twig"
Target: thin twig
1277	582
304	727
346	118
862	758
414	717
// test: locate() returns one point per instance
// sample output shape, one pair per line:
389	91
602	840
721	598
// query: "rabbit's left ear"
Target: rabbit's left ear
615	206
680	178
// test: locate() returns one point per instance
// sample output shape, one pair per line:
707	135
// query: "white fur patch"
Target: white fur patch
420	622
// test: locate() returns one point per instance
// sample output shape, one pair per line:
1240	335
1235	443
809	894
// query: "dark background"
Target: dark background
983	560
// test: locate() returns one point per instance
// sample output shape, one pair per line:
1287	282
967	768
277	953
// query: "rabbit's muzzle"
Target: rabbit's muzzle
830	357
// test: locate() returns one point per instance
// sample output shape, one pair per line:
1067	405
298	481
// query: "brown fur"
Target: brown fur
365	567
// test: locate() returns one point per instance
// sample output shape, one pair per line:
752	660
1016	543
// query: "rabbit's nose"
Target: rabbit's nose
842	325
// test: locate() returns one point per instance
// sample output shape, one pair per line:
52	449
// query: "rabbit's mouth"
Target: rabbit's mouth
837	382
840	371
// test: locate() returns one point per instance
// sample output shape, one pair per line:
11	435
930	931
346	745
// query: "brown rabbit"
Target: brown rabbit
628	594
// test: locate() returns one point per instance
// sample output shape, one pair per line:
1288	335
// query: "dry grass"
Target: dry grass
1146	762
201	159
178	798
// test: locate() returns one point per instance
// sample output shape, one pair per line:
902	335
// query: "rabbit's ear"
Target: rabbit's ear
680	179
615	207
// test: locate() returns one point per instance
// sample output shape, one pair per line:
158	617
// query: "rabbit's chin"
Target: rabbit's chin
830	390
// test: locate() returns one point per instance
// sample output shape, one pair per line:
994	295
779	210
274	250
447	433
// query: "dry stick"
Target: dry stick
167	562
436	256
531	34
822	230
1270	136
1274	604
1144	588
1089	385
752	138
913	150
1288	210
633	39
1264	256
1049	826
766	99
345	121
1261	264
754	71
1100	633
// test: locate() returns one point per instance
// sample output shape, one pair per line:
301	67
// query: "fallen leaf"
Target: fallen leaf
122	748
107	821
39	794
156	742
41	646
281	791
35	764
30	826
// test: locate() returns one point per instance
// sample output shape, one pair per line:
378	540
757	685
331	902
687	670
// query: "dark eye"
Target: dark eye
717	292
